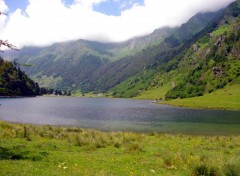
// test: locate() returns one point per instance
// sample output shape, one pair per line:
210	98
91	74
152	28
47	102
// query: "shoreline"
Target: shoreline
177	128
66	127
19	96
181	103
198	107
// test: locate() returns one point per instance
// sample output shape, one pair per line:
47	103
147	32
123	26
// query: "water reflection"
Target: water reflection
119	115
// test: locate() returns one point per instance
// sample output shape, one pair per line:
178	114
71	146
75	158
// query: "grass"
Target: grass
221	30
46	150
47	81
227	98
155	93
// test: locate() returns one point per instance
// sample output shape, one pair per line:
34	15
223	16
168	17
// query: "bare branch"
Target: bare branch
2	13
7	44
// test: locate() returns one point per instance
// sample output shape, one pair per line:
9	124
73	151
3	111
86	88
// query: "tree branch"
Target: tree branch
2	13
7	44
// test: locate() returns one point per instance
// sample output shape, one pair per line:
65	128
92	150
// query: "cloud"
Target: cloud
3	8
127	3
45	22
88	3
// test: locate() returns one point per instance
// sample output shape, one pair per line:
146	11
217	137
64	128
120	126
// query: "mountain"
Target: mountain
66	65
206	62
14	82
213	61
93	66
112	74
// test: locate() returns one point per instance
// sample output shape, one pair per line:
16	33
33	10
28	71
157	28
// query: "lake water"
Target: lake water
118	115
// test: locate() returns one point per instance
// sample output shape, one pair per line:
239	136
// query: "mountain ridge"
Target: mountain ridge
94	69
209	63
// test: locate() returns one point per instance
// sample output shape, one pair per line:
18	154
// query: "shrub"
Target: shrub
168	162
232	169
117	145
205	170
20	154
134	147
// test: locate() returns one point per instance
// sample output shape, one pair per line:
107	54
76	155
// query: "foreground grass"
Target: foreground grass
227	98
47	150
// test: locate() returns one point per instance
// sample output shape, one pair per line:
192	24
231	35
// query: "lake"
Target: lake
119	115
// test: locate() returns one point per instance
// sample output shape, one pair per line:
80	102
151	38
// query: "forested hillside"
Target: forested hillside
69	65
14	82
208	61
98	67
211	63
109	76
199	57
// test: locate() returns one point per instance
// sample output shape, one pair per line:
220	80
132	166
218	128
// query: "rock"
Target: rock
205	52
236	52
217	71
210	35
237	27
220	40
195	48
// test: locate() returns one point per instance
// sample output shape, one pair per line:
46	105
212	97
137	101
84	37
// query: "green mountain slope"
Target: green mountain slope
14	82
98	67
70	65
210	62
226	98
114	73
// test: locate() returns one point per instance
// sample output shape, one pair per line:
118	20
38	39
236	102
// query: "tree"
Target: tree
13	81
7	44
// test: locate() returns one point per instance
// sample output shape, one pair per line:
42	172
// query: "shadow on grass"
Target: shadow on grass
9	154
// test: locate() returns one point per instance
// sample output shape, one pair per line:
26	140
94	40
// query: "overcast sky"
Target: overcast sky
43	22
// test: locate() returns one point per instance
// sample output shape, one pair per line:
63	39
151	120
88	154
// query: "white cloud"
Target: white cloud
45	22
88	3
3	8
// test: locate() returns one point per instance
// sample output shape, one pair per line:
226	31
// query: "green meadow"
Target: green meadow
48	150
227	98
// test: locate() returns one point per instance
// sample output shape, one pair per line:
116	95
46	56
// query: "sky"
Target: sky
44	22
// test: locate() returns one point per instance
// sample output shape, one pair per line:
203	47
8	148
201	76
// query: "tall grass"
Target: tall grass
75	136
115	153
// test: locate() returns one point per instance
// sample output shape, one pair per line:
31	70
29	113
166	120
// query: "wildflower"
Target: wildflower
153	171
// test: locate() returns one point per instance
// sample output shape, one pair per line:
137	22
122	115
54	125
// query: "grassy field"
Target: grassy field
156	93
227	98
46	150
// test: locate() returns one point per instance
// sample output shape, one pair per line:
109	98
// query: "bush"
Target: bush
134	147
205	170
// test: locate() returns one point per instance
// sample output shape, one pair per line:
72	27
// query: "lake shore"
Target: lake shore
223	99
227	98
48	150
197	105
17	96
119	115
